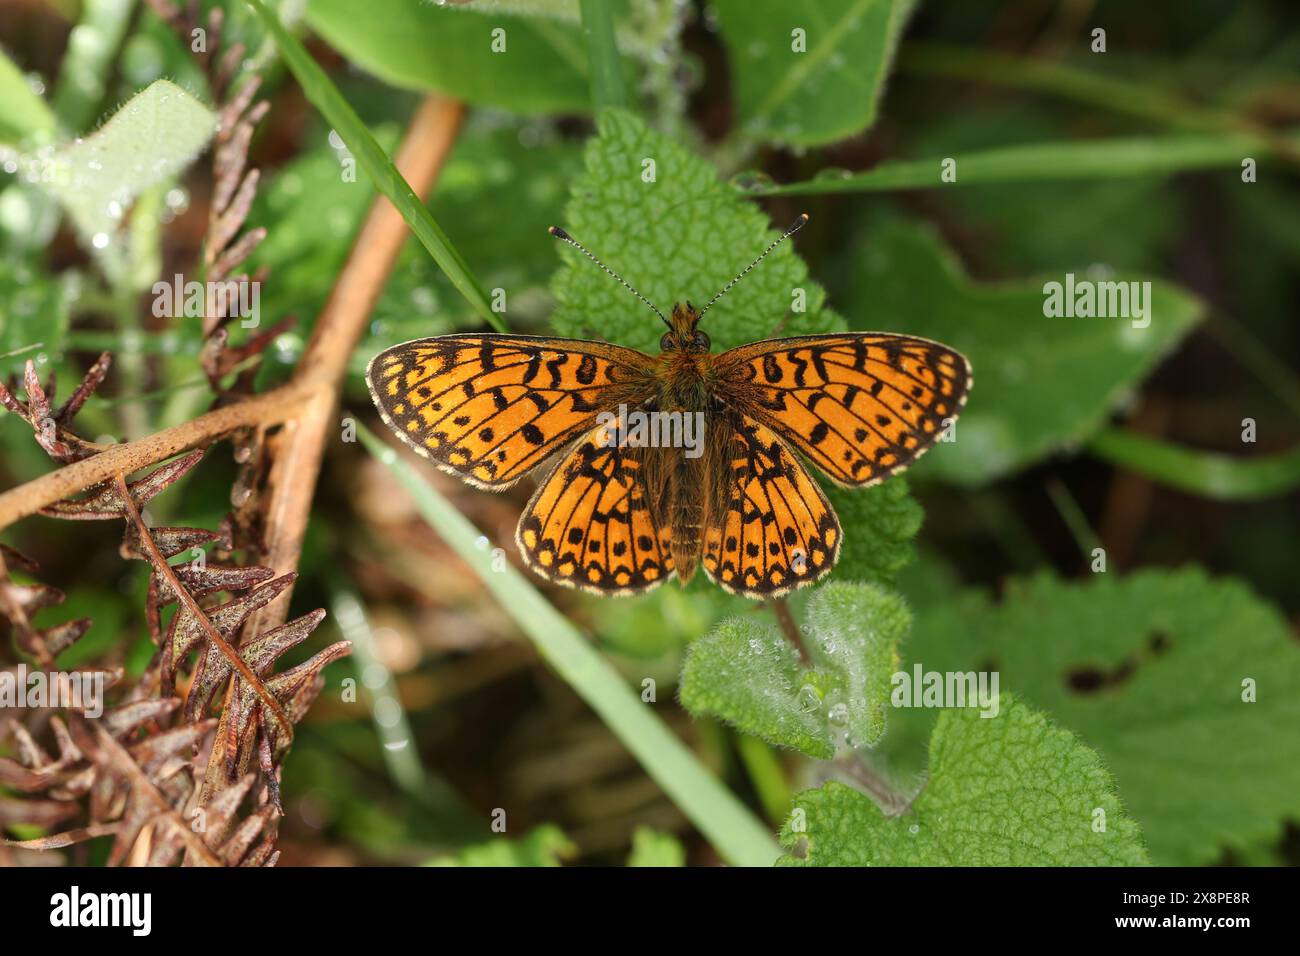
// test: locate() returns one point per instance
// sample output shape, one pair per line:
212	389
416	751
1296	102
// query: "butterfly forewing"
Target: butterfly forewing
594	524
776	530
490	408
860	406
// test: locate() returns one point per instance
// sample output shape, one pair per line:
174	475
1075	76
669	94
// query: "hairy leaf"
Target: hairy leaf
746	672
681	235
1012	790
154	136
880	524
1151	670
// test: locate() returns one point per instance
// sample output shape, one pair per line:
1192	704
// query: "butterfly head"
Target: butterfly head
685	335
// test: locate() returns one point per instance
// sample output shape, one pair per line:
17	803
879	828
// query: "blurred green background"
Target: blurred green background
1030	489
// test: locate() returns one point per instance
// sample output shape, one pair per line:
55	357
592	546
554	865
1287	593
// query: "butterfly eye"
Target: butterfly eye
702	341
669	341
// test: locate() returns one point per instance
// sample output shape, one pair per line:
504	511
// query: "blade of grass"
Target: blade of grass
1046	162
92	46
766	774
1052	77
1207	474
401	756
728	825
606	72
325	96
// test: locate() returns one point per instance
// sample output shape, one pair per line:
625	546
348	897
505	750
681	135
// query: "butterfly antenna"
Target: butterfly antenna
795	227
560	234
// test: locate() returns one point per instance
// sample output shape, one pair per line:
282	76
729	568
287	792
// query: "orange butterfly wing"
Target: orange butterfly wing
776	530
489	408
591	525
861	406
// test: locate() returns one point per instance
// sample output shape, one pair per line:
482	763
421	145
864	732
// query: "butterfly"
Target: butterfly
676	461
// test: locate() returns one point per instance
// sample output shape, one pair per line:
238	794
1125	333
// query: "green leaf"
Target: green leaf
1011	790
92	48
315	213
720	816
1045	162
34	311
23	115
658	215
1223	477
827	90
1149	670
1041	383
311	216
152	138
324	95
657	625
1092	217
880	524
745	672
542	846
653	848
427	46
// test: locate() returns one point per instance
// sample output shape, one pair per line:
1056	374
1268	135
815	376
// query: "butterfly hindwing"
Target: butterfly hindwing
489	408
860	406
776	530
592	524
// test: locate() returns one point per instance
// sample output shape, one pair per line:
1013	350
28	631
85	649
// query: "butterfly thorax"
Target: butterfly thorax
689	487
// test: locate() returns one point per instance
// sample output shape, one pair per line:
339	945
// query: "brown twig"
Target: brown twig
300	447
305	403
864	775
269	408
162	567
790	628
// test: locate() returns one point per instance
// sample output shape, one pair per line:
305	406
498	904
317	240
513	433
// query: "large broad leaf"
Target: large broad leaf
809	73
427	46
1188	687
658	215
1011	790
1042	383
746	672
